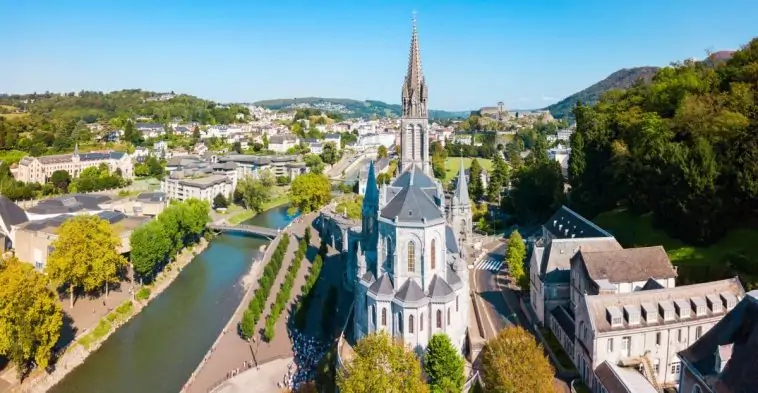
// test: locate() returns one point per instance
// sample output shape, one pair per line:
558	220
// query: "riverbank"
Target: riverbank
237	218
85	344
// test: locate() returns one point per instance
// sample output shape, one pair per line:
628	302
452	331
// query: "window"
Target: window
610	345
658	338
656	366
411	257
679	335
676	367
373	315
384	317
448	317
698	332
434	253
456	304
421	323
581	328
439	319
410	324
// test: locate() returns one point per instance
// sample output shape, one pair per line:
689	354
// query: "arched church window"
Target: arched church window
372	309
448	317
384	317
410	324
434	253
421	323
439	319
411	257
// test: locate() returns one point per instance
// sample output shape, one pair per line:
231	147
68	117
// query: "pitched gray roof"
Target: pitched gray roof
566	223
382	286
411	204
461	189
439	288
628	264
451	240
453	279
10	213
414	176
69	204
410	292
368	277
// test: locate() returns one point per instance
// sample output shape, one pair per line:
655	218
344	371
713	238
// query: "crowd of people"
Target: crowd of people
308	352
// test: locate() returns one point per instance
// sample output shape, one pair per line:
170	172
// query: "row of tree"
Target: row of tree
257	304
305	299
283	296
682	147
154	244
511	362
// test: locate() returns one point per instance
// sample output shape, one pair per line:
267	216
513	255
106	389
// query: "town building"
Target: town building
289	166
724	359
193	177
282	143
40	169
405	263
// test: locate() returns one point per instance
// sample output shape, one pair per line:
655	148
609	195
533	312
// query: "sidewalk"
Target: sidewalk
263	380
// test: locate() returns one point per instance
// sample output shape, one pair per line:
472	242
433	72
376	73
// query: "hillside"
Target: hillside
349	108
621	79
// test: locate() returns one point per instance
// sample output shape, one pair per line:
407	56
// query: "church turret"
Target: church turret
460	208
414	122
361	261
370	211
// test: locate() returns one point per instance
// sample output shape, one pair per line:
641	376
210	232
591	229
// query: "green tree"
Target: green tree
537	192
499	178
61	179
195	134
265	141
30	315
254	194
85	255
219	201
513	362
307	235
310	192
330	155
475	187
516	254
443	365
151	248
381	365
154	167
313	161
382	152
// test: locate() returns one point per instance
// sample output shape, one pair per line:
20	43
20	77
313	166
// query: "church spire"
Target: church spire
414	88
461	190
76	149
372	191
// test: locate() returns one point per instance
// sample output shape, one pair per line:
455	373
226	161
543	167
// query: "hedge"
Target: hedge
284	294
301	309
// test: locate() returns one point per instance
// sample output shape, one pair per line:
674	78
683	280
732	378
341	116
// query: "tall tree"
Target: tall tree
498	178
151	248
85	255
30	315
61	179
310	192
516	254
330	154
253	193
475	188
381	365
513	362
382	152
443	365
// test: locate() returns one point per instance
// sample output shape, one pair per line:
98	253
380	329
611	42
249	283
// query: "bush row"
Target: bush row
284	294
252	314
301	309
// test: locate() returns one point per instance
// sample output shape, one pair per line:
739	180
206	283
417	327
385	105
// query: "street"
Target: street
499	304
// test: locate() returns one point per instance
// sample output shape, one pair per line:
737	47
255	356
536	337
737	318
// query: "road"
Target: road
500	305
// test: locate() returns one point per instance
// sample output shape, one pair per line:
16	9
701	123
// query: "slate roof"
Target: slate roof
628	264
617	379
69	204
10	213
151	197
410	291
438	288
461	189
453	279
382	286
414	176
563	317
368	277
451	239
411	204
739	328
556	256
566	223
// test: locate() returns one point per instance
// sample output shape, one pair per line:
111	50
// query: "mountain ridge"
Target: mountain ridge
350	107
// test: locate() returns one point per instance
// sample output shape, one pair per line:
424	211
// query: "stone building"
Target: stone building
405	262
40	169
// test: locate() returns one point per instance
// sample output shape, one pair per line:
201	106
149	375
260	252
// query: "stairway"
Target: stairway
649	372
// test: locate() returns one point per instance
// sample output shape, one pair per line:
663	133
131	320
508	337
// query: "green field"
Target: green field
453	164
735	254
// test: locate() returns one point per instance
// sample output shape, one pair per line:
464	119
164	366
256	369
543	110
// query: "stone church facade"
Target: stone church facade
405	262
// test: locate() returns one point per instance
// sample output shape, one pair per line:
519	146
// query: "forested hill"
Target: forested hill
621	79
350	108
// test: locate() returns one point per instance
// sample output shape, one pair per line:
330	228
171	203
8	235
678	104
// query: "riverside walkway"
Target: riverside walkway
230	351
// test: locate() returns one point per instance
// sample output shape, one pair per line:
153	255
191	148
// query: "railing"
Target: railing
650	372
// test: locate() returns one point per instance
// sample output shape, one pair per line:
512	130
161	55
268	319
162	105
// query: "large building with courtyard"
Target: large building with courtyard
40	169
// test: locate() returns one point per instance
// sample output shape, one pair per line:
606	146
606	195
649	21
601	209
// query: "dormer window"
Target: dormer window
649	313
632	315
683	308
615	317
729	299
666	309
715	303
698	303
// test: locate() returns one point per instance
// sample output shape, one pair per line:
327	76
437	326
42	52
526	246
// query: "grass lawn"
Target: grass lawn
695	264
555	346
245	214
120	314
453	165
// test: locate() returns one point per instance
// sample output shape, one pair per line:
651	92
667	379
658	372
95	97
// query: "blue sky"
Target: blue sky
526	53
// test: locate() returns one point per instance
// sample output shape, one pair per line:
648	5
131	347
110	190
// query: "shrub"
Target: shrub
284	294
258	302
143	293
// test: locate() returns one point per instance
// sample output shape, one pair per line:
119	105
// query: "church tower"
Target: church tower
414	122
370	212
460	208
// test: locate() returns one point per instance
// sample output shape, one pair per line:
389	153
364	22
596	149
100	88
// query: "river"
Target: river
157	350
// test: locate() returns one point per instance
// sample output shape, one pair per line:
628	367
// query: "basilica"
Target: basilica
405	263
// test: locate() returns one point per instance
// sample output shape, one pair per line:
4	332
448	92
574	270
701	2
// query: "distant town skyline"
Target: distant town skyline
475	53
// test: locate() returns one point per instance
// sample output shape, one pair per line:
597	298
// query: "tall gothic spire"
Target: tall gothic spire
372	191
414	87
461	189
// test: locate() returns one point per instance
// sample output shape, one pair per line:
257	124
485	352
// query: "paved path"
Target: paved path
262	380
500	305
232	351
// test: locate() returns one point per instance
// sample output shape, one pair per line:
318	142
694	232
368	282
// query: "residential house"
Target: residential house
333	138
282	143
725	359
150	130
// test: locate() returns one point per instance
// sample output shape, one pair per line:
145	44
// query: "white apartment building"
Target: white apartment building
204	188
282	143
40	169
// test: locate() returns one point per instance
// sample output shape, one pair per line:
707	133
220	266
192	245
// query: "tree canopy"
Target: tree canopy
513	362
309	192
515	256
682	147
381	364
443	365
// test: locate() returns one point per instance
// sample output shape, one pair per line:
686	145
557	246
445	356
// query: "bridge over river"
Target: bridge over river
242	228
